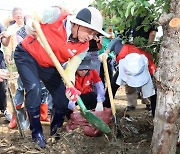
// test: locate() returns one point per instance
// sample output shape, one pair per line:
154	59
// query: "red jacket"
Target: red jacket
57	38
129	48
85	83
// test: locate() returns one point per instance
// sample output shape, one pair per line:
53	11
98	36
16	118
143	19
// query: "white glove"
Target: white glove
99	106
29	28
101	56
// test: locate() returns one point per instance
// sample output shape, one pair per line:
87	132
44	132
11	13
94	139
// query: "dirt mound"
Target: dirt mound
131	134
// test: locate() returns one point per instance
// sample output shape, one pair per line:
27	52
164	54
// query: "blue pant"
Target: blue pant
31	73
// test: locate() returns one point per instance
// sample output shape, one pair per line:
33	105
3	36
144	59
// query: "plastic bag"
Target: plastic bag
77	120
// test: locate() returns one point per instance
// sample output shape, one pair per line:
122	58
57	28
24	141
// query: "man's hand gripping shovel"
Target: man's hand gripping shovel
89	116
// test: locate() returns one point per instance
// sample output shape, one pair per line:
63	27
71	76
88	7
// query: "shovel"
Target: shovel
15	111
23	118
89	116
106	73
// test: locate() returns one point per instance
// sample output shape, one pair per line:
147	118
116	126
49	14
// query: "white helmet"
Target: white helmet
91	18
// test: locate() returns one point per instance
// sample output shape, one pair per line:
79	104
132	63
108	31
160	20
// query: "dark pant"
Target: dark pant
3	99
114	87
153	104
31	73
89	100
110	65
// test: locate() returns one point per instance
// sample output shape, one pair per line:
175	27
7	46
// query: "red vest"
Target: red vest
129	48
57	38
85	83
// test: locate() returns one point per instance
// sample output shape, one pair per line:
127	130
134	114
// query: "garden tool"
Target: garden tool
15	112
12	84
89	116
106	73
22	116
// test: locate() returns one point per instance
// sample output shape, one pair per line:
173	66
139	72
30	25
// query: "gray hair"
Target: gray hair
16	9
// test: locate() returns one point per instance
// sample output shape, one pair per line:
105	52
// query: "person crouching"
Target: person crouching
88	82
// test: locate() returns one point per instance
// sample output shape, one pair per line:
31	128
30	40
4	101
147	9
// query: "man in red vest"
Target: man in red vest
69	38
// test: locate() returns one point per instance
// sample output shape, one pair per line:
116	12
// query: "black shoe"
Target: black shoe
36	127
148	107
39	139
130	108
57	119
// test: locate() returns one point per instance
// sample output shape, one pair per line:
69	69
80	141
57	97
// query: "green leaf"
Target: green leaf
146	4
132	10
128	9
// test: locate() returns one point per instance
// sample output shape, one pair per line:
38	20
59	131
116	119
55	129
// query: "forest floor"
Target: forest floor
131	135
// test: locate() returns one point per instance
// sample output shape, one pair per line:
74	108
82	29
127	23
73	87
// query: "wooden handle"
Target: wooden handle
106	73
45	123
51	54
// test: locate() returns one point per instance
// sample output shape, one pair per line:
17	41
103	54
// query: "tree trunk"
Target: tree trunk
166	121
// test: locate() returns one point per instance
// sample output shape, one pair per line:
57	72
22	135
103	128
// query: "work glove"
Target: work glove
99	106
100	57
72	94
29	27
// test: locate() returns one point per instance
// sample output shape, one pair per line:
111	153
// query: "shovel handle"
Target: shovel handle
106	73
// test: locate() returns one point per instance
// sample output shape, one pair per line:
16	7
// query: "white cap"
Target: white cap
133	70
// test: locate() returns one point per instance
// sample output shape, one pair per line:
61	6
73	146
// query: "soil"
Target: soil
131	135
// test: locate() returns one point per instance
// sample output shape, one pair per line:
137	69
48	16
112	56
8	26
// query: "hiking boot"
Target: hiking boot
7	115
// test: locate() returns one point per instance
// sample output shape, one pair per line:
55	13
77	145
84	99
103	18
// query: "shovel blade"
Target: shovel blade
23	119
92	119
